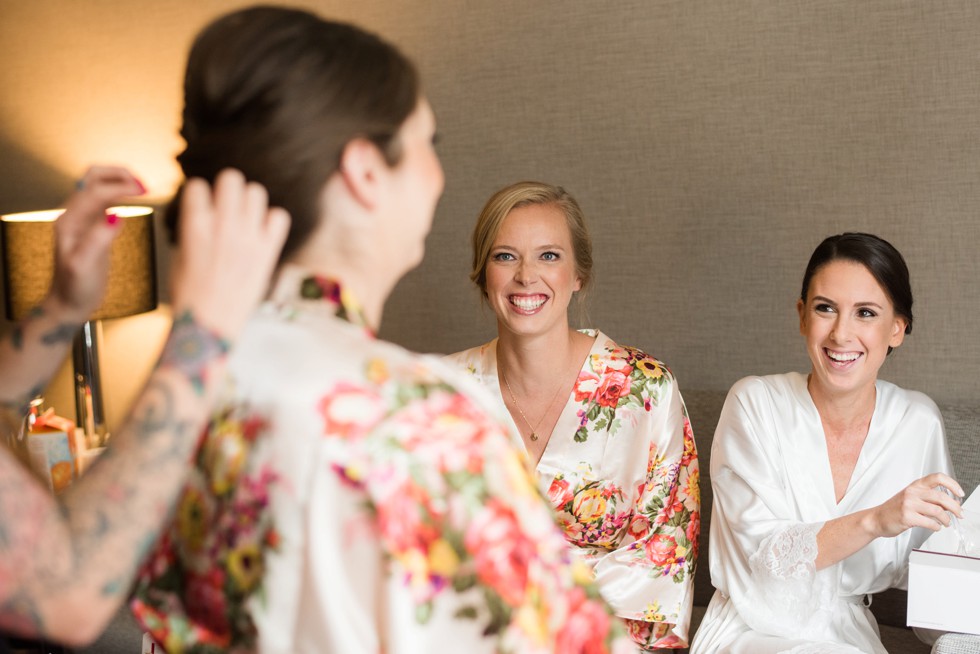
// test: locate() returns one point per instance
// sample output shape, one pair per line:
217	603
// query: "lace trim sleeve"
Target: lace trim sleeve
788	597
789	554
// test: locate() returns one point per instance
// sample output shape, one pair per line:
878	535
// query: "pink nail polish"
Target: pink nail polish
112	219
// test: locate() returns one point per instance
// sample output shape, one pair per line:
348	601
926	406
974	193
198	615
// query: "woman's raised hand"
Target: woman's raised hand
230	241
923	503
83	236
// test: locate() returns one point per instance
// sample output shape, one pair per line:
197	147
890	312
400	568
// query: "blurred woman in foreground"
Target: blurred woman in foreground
349	496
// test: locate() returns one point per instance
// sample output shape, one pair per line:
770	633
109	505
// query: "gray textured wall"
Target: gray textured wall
711	144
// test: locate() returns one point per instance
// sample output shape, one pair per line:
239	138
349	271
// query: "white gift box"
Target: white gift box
943	585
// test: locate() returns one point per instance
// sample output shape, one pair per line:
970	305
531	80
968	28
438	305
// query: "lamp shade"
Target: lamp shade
28	262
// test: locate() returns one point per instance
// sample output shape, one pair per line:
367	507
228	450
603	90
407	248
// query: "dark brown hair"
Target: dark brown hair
883	261
277	93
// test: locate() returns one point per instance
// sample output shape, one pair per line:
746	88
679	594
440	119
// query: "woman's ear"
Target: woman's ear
898	332
361	165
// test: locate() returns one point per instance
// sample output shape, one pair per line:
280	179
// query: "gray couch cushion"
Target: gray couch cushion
957	644
704	408
963	436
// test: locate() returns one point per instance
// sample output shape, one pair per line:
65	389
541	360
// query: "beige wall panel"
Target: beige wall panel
711	144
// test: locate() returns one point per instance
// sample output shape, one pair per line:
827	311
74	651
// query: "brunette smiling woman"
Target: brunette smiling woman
823	483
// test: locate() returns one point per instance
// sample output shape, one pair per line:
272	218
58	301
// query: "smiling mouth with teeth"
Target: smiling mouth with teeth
842	357
526	303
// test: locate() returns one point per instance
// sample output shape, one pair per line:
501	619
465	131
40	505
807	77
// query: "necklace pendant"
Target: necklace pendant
534	436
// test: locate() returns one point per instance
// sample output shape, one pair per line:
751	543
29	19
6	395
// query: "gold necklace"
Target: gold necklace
533	428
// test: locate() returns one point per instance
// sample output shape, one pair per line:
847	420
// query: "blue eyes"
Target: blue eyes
507	256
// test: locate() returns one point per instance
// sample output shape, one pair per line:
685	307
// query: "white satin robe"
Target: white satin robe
773	491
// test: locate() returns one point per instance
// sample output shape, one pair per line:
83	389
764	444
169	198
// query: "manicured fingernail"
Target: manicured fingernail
140	185
112	219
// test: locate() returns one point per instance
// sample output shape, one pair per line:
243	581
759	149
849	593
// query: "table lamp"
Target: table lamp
28	267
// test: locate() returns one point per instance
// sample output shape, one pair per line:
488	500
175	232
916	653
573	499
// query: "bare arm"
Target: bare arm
66	563
920	504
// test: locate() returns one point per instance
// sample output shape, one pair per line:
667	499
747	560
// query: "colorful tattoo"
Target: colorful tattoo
17	332
63	333
17	337
21	406
191	347
156	412
19	615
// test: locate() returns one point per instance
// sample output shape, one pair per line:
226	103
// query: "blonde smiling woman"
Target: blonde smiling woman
603	424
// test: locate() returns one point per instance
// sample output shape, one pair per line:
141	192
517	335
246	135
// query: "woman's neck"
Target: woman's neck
532	360
843	411
366	288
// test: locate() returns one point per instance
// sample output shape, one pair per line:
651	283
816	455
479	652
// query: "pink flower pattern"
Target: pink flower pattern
658	520
459	521
190	590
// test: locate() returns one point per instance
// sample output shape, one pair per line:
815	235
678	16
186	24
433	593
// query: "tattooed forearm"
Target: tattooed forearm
75	556
17	337
17	332
63	333
156	412
21	406
191	347
160	444
32	351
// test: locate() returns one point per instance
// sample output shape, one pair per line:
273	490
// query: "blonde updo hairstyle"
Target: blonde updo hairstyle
523	194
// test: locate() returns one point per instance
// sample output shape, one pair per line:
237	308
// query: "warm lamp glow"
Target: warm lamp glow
50	215
28	259
103	81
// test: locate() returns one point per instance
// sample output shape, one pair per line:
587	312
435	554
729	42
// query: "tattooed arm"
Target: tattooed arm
34	349
66	563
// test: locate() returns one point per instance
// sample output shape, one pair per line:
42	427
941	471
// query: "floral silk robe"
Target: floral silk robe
352	497
621	472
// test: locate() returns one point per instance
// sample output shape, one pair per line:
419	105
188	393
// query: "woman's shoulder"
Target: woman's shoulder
776	393
788	383
613	354
471	358
906	403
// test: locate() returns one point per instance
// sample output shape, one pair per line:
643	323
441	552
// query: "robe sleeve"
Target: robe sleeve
762	556
648	579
